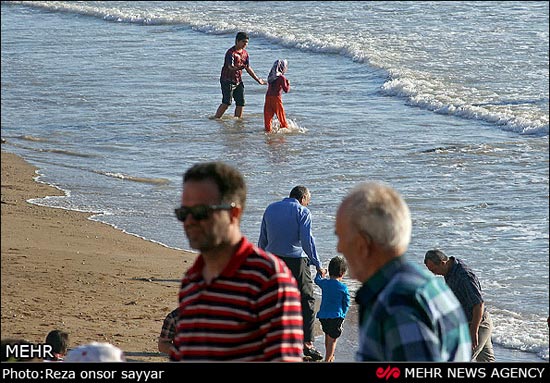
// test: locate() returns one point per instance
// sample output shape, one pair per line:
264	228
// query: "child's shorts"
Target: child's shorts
332	326
232	91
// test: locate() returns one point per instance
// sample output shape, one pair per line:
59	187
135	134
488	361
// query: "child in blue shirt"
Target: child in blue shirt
335	303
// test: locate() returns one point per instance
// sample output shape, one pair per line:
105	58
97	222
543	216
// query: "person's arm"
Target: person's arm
230	62
308	240
286	84
318	278
477	313
250	71
168	332
262	240
164	345
346	301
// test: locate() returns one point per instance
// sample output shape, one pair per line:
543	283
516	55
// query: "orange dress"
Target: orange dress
273	105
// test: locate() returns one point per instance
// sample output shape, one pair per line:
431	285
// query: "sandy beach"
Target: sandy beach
61	270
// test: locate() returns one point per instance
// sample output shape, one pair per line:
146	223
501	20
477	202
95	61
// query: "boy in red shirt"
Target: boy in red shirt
236	59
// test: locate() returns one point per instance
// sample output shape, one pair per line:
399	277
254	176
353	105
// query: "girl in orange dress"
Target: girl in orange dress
277	83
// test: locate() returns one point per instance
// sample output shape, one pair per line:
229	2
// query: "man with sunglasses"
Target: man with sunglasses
286	232
236	302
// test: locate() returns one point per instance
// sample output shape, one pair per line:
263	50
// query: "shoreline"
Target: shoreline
61	270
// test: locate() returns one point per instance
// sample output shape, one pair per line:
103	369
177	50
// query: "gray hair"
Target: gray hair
379	211
436	256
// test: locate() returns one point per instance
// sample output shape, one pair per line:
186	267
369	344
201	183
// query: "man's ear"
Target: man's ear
236	212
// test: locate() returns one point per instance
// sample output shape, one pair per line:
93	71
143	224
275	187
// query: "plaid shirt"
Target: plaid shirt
168	330
464	283
407	314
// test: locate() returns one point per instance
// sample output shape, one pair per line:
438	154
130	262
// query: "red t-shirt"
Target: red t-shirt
237	59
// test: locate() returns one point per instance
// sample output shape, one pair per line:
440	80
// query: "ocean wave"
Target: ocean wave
45	150
126	177
108	13
32	138
434	96
525	117
509	332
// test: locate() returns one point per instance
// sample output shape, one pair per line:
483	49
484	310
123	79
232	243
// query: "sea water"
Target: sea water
446	101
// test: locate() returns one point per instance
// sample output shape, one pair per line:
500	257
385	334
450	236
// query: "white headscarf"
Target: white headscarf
96	352
279	68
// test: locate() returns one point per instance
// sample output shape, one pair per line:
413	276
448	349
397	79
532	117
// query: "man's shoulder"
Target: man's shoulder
411	285
262	254
461	269
173	314
283	202
230	51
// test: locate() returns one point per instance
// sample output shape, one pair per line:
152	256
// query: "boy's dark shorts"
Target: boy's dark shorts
231	91
332	326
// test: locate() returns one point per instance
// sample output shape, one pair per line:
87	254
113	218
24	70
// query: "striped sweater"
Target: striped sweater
250	312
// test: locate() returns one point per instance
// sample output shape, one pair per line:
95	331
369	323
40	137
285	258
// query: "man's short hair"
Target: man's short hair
379	210
242	36
436	256
59	340
230	181
337	266
299	192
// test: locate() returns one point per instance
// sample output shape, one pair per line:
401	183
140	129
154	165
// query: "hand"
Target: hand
261	81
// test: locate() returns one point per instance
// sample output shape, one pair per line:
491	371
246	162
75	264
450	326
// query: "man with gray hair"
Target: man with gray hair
405	313
465	285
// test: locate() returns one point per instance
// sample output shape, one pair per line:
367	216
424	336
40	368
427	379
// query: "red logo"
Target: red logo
389	372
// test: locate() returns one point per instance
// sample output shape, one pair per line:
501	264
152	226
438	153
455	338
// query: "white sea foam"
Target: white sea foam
127	177
398	55
510	331
293	127
382	91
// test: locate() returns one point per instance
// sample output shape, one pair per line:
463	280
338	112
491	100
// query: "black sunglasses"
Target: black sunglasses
200	212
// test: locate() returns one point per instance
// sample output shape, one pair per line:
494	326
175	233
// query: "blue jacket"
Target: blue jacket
336	300
286	231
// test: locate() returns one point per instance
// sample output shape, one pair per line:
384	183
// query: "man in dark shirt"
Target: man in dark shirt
465	285
236	59
168	332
